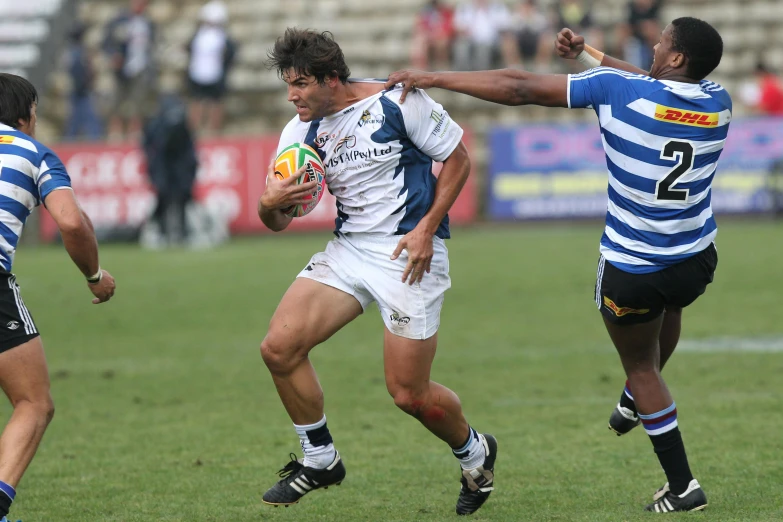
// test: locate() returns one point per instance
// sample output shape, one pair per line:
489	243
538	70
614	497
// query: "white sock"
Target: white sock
316	443
472	454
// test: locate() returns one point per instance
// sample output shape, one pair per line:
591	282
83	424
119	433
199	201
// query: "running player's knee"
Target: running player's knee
47	408
411	402
41	408
644	370
407	402
281	356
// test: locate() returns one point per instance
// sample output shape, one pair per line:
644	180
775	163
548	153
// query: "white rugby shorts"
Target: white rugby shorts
360	265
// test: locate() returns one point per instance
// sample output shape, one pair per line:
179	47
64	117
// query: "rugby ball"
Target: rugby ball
293	158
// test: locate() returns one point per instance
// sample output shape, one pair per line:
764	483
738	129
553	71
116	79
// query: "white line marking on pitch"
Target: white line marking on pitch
733	344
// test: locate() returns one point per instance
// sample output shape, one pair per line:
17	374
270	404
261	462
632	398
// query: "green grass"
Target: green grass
166	412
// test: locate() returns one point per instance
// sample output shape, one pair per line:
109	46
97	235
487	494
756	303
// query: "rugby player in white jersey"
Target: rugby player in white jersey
391	225
663	132
31	174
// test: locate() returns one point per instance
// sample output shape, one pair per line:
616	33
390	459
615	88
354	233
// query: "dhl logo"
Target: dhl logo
620	311
6	139
697	119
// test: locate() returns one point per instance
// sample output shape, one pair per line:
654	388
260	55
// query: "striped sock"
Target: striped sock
316	444
7	495
667	443
471	454
660	422
626	399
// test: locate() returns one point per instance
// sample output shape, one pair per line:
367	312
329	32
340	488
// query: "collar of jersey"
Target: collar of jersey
341	111
681	86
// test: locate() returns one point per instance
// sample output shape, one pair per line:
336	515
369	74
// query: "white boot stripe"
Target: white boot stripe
301	483
331	466
297	488
668	504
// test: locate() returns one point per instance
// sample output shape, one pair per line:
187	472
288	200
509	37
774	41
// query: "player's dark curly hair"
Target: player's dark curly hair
308	52
17	97
700	43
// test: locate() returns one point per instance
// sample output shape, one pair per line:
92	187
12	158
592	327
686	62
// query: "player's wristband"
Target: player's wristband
588	61
95	279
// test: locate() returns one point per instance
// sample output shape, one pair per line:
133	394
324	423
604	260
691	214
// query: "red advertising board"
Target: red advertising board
112	185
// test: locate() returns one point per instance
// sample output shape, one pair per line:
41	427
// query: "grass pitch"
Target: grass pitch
165	411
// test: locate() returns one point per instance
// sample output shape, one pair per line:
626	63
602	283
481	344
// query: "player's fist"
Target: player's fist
568	44
103	289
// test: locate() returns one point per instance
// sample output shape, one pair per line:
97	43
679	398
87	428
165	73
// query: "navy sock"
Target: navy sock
667	443
626	399
7	494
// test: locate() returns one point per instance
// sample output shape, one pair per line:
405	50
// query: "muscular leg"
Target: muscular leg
309	313
640	354
24	378
407	364
670	332
668	338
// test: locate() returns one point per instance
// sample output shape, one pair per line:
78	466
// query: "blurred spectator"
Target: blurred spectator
576	15
433	36
478	25
172	163
764	95
211	53
529	37
83	120
130	41
639	34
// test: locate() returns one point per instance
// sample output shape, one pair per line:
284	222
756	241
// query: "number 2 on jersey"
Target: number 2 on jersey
672	150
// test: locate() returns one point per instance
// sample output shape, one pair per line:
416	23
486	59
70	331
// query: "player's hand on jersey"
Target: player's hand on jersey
418	244
283	193
410	79
103	290
568	44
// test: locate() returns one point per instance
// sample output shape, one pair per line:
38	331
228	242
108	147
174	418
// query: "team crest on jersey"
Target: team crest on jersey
348	142
682	117
620	311
371	119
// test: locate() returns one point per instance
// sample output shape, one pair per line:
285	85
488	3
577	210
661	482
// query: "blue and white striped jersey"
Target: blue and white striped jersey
28	173
662	141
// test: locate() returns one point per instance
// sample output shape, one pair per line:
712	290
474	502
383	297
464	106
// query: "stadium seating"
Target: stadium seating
375	40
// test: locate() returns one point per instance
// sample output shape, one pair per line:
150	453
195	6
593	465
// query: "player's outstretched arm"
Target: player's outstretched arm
80	243
572	46
504	86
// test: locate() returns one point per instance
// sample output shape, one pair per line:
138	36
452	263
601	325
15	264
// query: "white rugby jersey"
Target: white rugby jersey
29	171
378	155
662	141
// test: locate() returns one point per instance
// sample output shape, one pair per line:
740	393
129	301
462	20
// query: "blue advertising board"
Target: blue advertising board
551	171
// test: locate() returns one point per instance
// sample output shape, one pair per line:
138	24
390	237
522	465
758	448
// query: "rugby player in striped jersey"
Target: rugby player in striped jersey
663	132
31	174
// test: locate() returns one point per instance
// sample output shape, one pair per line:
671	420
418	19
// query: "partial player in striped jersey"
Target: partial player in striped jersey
31	174
663	132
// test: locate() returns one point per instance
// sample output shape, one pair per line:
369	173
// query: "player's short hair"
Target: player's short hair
700	43
309	53
17	97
